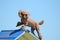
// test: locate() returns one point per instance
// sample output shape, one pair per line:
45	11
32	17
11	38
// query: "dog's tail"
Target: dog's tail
41	22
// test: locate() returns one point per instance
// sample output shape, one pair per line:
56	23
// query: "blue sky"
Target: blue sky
47	10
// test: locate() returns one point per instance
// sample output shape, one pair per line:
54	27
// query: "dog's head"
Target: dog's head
23	14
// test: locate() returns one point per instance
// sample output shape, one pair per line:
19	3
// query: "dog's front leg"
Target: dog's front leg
23	27
19	23
25	24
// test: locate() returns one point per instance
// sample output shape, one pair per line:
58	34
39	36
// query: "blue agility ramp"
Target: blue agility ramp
16	35
10	34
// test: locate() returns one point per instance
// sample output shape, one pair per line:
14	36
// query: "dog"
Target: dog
26	21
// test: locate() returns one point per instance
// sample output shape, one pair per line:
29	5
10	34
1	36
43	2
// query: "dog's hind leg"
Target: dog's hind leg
32	30
39	34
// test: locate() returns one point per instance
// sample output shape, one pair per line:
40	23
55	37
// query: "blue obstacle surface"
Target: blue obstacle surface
10	34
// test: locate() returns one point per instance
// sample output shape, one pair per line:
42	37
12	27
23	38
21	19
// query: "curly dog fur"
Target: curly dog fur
26	21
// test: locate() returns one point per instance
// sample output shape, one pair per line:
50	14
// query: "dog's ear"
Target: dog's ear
20	13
